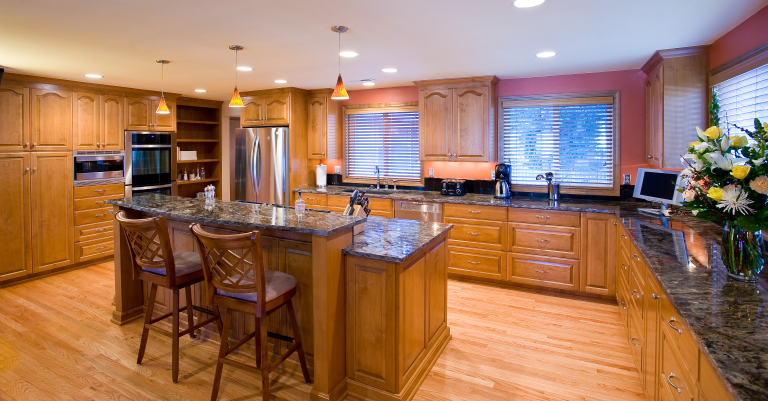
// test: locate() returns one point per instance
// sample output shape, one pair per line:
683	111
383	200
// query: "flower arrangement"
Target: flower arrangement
728	183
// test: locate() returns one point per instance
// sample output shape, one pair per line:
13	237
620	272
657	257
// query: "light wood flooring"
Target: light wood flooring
56	343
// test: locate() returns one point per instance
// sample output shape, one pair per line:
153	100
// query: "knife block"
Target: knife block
359	212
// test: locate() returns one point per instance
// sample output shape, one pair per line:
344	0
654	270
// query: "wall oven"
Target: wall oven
148	163
98	167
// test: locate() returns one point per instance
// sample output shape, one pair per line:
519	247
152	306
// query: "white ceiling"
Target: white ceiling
292	40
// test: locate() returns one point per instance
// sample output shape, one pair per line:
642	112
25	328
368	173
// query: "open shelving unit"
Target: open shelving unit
198	128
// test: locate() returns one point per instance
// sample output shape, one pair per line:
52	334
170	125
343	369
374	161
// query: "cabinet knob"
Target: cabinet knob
450	154
34	168
98	145
649	157
34	143
27	168
26	144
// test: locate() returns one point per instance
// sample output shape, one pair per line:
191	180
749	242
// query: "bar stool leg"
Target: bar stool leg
264	349
190	312
147	320
175	335
223	348
297	340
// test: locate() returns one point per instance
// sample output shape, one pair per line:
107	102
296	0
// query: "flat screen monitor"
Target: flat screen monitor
658	186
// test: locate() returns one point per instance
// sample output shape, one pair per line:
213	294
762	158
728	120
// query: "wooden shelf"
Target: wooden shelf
197	122
197	161
197	140
197	181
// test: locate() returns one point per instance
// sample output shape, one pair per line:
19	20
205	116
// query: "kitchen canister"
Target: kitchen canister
321	175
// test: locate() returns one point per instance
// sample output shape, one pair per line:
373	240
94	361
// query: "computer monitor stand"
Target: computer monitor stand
662	211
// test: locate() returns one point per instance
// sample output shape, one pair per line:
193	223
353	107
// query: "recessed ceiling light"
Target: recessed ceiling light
281	81
528	3
93	76
241	68
199	90
545	54
389	69
369	83
348	53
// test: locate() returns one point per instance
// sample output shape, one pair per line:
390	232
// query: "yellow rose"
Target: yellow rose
740	172
715	193
713	133
692	144
739	142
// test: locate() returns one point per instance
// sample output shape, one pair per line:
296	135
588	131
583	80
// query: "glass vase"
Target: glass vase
742	252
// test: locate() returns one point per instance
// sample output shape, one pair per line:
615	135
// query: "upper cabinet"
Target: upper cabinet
323	125
457	119
112	122
14	118
140	115
51	122
676	102
98	122
269	108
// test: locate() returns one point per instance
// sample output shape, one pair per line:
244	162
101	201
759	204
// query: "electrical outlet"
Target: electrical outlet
337	169
431	173
493	175
627	179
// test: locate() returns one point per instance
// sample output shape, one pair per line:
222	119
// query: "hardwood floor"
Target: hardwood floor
56	343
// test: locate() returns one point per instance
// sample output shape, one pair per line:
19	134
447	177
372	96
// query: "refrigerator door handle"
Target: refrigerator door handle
256	171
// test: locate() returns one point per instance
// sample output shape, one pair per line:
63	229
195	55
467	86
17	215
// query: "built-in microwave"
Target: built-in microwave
102	165
147	162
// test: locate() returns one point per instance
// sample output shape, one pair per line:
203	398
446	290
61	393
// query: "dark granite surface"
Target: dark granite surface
239	214
394	240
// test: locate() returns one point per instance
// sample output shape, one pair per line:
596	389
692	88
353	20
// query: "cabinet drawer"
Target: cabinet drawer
93	249
494	213
92	216
314	199
543	271
637	263
621	300
636	342
624	241
100	190
680	336
390	215
477	262
478	233
636	296
548	217
381	205
623	267
338	201
554	241
674	377
93	203
94	231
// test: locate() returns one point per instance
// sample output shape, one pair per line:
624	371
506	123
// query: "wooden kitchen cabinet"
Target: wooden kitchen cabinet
51	119
112	123
266	108
87	126
52	210
163	122
253	112
324	129
15	237
599	253
14	119
652	335
140	115
457	119
676	101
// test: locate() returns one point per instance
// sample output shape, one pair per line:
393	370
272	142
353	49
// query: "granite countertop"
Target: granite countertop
257	216
394	240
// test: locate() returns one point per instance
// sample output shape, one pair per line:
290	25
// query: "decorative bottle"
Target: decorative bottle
300	205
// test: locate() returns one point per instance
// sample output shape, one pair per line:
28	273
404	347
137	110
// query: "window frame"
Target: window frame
615	190
375	108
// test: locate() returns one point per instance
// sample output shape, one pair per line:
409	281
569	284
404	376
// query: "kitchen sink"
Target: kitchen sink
371	191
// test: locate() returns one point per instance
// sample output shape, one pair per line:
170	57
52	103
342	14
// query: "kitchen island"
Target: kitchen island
373	322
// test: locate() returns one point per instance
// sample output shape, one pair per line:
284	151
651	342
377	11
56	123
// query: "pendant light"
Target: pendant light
162	108
236	100
339	93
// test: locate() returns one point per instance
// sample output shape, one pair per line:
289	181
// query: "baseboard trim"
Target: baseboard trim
53	272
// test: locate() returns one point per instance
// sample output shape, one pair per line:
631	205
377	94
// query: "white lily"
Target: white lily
725	144
724	161
701	146
735	200
701	135
759	162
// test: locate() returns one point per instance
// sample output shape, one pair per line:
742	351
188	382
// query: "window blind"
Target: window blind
389	140
572	138
744	98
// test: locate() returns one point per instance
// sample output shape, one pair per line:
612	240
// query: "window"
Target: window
744	98
387	137
573	136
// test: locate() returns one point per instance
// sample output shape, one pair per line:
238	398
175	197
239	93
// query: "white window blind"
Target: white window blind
744	98
573	138
389	140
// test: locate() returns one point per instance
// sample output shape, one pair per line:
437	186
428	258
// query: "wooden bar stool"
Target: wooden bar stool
235	279
155	263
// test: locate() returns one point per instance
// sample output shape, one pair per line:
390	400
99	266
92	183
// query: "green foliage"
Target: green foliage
714	112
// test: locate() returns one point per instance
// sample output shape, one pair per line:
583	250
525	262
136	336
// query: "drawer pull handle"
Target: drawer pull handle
101	247
672	320
623	305
99	202
475	211
473	262
100	230
654	296
542	271
623	236
542	217
100	215
669	380
542	240
471	233
623	266
99	190
634	343
636	294
635	257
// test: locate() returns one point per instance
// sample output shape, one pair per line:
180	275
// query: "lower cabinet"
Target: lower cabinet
475	262
543	271
52	220
94	232
16	215
598	260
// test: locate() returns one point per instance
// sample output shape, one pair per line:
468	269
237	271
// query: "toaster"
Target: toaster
453	187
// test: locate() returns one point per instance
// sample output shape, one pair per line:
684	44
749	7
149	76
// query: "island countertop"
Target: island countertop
238	214
394	240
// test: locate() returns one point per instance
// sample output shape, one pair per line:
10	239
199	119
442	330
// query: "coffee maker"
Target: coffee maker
502	181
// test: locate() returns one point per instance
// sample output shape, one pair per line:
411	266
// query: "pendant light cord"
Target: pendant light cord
235	68
162	80
339	51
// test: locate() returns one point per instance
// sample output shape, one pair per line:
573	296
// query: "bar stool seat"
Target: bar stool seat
186	263
277	284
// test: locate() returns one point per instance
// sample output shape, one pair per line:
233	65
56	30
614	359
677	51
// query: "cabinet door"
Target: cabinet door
253	112
163	122
51	122
655	118
14	118
471	127
137	117
87	122
277	110
599	253
317	135
436	124
112	128
295	258
651	357
15	237
52	210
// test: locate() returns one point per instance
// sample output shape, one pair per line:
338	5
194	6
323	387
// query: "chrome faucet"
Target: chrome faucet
553	188
395	184
378	177
386	184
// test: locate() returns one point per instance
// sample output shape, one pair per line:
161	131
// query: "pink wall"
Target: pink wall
631	85
747	36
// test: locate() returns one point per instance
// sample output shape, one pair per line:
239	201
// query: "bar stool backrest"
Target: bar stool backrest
150	247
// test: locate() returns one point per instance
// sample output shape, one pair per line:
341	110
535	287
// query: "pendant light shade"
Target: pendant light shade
339	92
162	108
236	101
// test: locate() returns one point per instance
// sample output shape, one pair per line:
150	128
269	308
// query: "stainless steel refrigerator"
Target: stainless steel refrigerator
262	165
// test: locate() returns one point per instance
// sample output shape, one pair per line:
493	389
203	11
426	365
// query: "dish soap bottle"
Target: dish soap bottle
300	205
